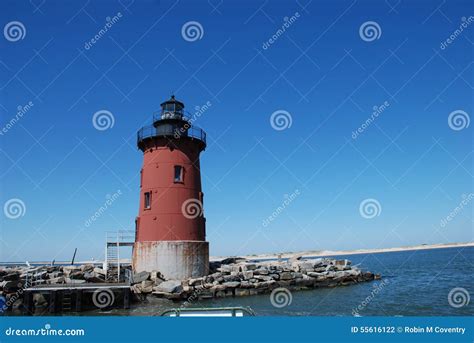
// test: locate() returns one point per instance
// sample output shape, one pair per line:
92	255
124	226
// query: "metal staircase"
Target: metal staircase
115	240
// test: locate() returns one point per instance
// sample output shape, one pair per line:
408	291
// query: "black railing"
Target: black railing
174	132
159	115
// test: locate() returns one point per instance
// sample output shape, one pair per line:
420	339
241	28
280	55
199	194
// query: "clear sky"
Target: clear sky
248	60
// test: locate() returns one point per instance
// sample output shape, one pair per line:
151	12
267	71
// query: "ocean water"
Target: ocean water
414	283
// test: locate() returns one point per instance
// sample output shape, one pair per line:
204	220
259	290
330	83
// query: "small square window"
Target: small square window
178	173
147	200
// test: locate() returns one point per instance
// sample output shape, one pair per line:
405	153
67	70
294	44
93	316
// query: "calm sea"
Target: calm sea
415	283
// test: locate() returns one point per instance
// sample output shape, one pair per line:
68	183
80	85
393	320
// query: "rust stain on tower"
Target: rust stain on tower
170	229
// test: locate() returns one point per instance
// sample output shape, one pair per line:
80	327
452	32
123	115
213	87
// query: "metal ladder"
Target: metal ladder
115	240
67	301
112	260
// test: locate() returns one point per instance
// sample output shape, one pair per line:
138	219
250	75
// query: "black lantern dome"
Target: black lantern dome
172	124
172	109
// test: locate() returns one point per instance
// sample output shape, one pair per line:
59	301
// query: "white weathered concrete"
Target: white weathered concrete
175	260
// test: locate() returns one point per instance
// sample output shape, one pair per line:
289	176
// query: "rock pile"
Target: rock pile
144	282
244	278
12	278
229	277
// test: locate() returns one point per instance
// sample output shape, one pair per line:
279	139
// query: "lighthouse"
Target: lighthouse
170	230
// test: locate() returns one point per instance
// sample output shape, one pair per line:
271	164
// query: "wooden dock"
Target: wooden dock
64	298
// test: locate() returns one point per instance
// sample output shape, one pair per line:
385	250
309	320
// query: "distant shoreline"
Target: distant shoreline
318	253
307	253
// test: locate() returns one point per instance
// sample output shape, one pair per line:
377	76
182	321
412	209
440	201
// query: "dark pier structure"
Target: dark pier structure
66	298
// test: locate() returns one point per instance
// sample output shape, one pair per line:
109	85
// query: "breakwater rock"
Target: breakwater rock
14	278
243	278
232	277
14	281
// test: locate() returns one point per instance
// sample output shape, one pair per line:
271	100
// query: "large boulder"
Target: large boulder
195	282
87	267
11	276
68	270
78	275
231	284
146	286
139	277
170	286
55	274
248	275
93	277
305	266
156	275
263	277
99	271
250	266
261	271
57	280
342	264
11	286
225	268
353	272
229	278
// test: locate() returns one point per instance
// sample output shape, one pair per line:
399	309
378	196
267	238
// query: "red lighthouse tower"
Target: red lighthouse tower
170	232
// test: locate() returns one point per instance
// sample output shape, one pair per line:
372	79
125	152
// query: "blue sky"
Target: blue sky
321	70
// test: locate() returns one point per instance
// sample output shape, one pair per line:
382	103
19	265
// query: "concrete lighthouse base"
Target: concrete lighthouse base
176	260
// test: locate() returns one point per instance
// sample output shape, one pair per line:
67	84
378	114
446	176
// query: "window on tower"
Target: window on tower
147	200
178	173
